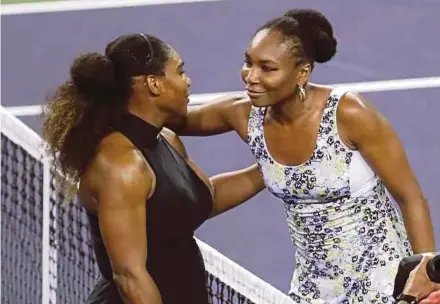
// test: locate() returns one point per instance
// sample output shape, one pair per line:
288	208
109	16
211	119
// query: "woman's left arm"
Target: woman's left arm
365	129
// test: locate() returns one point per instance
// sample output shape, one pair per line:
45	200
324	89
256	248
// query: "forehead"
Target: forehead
268	45
174	59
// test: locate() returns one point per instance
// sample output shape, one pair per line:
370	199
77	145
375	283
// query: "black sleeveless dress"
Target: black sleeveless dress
180	204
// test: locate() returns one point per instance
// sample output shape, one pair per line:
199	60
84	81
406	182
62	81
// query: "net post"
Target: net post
46	298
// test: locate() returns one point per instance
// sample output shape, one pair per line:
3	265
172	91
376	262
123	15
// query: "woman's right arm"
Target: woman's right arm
122	185
221	115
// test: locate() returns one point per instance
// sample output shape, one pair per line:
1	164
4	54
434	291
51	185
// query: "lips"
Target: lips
254	94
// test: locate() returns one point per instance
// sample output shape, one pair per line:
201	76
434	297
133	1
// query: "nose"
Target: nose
188	81
251	76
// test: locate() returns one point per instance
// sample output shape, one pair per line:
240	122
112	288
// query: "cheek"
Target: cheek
244	72
280	87
274	81
178	86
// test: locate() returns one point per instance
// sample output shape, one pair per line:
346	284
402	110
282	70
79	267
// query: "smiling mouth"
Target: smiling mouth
253	94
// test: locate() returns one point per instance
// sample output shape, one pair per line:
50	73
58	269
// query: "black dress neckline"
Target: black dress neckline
142	133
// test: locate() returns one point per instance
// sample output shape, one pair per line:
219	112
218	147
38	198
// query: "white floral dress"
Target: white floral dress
347	230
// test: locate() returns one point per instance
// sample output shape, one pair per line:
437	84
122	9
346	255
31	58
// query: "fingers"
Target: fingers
433	298
423	263
426	257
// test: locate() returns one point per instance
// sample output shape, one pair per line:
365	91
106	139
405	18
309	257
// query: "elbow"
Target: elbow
412	200
125	279
136	286
415	204
129	279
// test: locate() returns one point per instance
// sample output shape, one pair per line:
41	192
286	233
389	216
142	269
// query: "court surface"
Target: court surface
377	41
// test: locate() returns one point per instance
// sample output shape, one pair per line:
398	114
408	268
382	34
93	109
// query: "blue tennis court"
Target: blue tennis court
377	41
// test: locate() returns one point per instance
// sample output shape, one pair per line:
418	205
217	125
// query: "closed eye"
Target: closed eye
266	68
180	68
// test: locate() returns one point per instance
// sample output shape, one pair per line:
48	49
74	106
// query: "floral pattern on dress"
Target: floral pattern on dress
348	245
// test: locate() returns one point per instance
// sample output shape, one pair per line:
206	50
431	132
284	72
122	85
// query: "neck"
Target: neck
290	109
150	114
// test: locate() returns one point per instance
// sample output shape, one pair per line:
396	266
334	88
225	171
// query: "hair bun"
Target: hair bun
93	75
324	45
316	31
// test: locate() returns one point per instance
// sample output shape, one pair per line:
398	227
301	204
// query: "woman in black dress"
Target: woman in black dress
143	196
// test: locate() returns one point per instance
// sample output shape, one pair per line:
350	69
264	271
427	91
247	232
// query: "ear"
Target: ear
154	84
304	74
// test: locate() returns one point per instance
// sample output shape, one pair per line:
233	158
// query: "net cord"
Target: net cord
240	279
22	135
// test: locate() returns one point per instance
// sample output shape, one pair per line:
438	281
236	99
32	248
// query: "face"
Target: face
270	71
175	86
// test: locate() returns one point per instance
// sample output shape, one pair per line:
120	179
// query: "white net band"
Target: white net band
47	254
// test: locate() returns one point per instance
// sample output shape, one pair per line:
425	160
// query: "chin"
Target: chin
259	102
184	111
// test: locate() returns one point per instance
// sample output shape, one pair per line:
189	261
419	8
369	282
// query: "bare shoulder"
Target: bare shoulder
118	170
357	117
116	150
238	115
242	107
174	140
243	103
354	108
353	104
118	161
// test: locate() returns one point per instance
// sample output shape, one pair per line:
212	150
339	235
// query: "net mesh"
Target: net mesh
21	229
46	250
76	269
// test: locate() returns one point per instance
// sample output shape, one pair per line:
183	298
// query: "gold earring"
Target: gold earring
301	93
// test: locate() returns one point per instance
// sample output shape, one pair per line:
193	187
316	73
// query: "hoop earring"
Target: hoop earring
302	93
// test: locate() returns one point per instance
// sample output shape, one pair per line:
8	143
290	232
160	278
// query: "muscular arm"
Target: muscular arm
123	184
380	146
221	115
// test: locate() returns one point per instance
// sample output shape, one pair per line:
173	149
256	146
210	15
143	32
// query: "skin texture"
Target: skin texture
118	182
271	75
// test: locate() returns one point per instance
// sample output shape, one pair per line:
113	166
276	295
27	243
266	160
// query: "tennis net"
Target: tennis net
46	250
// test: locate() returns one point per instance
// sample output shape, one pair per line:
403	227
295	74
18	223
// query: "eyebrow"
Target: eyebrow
181	64
246	55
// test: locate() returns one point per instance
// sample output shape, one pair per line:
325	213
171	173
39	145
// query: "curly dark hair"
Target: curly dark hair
310	32
81	110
